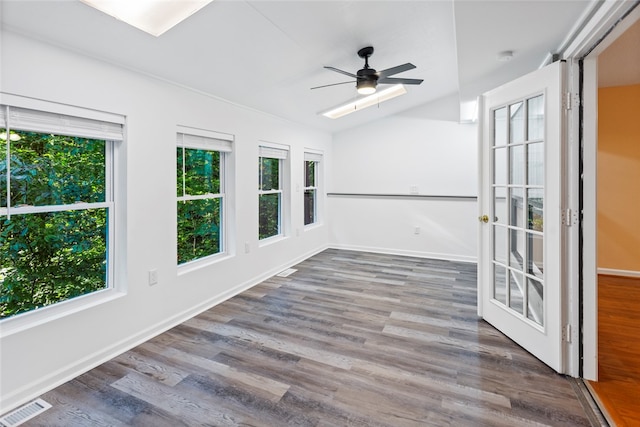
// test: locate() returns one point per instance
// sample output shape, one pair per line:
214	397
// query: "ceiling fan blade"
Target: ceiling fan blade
332	84
392	80
346	73
395	70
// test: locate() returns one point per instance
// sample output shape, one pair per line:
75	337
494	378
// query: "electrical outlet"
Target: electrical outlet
413	189
416	230
153	277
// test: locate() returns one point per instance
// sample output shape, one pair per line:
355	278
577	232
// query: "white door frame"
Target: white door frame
608	22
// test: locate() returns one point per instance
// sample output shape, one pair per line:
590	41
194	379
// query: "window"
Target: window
56	207
311	163
270	191
201	196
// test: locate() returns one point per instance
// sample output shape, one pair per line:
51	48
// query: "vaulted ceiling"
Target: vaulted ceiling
267	55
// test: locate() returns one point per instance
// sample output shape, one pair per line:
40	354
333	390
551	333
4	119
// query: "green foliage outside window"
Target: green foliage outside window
309	192
52	256
269	203
269	207
199	218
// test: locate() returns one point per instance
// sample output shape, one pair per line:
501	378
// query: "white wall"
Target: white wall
38	358
396	156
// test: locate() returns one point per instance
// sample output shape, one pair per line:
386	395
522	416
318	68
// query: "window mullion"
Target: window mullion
188	197
264	192
22	210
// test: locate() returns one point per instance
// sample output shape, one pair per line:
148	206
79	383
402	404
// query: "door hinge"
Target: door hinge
570	100
567	103
566	333
569	217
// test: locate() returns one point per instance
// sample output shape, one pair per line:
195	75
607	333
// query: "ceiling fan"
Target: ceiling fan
367	78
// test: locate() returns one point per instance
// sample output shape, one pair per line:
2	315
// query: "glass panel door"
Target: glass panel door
520	260
518	129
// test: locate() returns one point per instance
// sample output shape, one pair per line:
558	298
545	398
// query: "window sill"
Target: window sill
197	264
312	226
31	319
271	240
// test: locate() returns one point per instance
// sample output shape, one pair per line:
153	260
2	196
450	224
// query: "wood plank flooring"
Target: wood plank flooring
618	386
350	339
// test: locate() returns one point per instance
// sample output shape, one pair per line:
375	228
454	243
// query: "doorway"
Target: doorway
617	233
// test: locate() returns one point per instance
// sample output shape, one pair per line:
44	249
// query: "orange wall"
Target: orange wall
619	178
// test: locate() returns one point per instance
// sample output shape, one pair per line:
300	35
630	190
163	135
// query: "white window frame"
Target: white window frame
30	114
280	152
202	139
316	158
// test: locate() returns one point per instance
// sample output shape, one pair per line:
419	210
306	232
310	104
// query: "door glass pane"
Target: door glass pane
500	166
535	164
500	126
500	244
535	204
535	264
500	205
535	118
516	207
500	283
516	241
516	167
535	306
516	111
516	296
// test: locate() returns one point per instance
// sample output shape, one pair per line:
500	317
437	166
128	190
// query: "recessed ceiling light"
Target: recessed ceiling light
151	16
367	101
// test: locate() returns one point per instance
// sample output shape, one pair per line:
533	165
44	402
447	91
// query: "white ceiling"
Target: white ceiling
268	54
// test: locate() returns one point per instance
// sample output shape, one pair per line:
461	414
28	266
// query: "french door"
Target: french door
520	259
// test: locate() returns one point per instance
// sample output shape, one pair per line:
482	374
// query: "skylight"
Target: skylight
151	16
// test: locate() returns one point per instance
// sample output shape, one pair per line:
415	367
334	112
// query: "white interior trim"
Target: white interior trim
589	224
616	272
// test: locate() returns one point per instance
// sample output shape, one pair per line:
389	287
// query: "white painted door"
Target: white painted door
519	268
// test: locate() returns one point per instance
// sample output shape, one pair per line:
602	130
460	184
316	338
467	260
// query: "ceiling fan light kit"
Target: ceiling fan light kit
367	80
364	102
366	87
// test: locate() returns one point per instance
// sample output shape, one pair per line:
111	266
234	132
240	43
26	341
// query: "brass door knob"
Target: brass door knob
484	218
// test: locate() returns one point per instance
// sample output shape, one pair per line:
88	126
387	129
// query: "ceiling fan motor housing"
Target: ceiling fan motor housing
367	78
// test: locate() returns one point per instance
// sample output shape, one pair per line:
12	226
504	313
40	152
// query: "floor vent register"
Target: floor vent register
24	413
287	272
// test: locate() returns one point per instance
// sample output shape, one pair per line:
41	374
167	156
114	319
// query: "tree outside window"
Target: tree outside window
200	202
310	192
270	197
55	205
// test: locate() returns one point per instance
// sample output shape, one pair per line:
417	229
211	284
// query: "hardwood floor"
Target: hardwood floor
618	386
350	339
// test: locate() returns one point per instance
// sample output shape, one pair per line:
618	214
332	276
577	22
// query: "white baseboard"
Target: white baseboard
25	394
615	272
403	252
